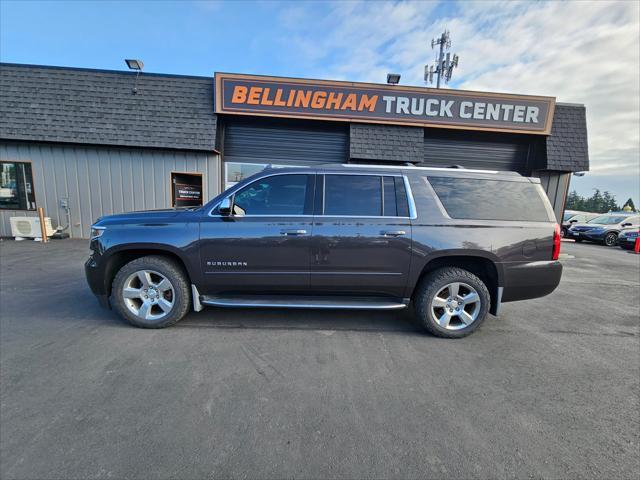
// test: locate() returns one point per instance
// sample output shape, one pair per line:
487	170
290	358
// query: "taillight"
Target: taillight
556	242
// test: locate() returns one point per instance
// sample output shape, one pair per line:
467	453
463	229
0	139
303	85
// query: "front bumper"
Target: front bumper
95	278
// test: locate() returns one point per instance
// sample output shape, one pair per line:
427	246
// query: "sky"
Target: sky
579	52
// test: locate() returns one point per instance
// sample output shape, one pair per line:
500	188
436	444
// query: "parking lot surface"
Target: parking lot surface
549	389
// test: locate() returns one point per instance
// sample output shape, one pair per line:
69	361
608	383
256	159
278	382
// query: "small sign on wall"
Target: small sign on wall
186	190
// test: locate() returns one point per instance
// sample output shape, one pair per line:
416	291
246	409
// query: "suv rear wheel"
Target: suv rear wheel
151	292
451	302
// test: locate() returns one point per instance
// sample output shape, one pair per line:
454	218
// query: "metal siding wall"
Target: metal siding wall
556	184
102	180
283	141
471	153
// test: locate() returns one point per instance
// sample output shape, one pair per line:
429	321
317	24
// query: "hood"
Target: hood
141	215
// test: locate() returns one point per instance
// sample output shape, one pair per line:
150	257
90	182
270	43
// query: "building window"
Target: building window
16	186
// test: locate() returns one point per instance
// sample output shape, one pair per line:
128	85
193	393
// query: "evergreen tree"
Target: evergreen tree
629	203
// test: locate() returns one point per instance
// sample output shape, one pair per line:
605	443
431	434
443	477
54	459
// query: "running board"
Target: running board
281	301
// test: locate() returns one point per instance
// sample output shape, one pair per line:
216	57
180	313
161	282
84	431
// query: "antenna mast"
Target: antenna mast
444	63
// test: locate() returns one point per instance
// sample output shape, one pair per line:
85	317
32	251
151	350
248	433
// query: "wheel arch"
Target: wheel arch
120	256
482	264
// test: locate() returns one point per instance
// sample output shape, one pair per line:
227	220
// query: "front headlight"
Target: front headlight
96	232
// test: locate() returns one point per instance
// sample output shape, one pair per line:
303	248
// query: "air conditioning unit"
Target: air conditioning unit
29	227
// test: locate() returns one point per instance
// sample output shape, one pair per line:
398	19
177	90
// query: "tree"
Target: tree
629	203
575	201
598	202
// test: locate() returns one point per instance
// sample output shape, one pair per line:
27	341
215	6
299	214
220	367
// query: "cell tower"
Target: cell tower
444	63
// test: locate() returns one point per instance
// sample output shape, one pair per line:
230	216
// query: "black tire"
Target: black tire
610	239
563	232
180	295
433	283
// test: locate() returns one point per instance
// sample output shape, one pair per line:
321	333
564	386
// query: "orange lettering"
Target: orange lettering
318	99
254	95
265	98
350	102
334	100
278	100
366	102
303	98
292	96
239	94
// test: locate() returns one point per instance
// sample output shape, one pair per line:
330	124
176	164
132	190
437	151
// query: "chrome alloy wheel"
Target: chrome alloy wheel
456	306
148	294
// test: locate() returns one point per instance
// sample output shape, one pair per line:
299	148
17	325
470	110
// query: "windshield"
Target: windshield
607	220
567	216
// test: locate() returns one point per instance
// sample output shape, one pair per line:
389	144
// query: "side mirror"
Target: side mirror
225	206
573	221
626	224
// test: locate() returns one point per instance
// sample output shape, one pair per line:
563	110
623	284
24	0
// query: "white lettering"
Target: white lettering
430	112
478	110
507	111
532	115
445	108
417	106
389	103
518	113
402	105
463	109
493	111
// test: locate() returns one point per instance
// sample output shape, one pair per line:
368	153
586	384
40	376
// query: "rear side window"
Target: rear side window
480	199
353	195
365	196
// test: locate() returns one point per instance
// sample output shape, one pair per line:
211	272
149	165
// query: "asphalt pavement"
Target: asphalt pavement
549	389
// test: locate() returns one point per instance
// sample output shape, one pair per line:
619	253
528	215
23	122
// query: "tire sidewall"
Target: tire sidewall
612	235
433	283
172	272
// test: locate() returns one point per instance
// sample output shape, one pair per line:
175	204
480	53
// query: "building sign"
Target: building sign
372	103
186	189
188	192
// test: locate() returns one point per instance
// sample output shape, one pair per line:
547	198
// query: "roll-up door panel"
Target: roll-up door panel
481	151
275	141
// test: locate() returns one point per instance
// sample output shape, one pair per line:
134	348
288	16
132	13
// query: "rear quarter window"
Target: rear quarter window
480	199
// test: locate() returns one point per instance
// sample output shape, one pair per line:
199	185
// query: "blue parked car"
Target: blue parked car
603	229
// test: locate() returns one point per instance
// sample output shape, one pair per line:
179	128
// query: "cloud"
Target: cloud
579	52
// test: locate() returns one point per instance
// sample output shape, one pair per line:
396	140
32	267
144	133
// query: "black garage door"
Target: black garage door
264	140
487	151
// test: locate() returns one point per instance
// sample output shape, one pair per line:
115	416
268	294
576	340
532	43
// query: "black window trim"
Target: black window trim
320	199
407	187
233	194
33	188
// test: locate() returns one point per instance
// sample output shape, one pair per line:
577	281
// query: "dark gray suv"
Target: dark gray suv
453	243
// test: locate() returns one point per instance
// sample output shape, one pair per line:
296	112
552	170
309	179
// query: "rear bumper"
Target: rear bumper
525	280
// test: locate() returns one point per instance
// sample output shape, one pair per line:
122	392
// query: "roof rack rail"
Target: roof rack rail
413	167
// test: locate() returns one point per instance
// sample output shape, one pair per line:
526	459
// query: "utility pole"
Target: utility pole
444	63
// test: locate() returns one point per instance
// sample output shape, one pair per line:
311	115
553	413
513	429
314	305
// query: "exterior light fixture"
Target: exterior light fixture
136	65
393	78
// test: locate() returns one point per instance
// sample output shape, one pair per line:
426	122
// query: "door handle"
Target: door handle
293	232
393	233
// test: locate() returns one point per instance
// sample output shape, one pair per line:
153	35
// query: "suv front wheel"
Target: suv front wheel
451	302
151	292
